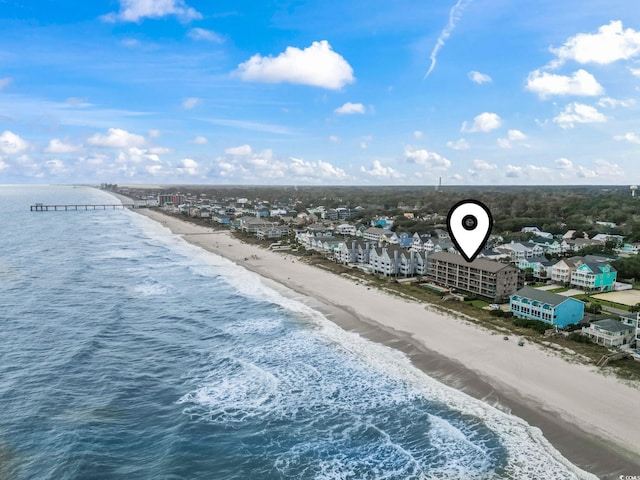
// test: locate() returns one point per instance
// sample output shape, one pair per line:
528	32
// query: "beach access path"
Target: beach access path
592	419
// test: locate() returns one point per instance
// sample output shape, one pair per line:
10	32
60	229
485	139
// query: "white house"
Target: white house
346	229
561	271
610	333
385	260
374	234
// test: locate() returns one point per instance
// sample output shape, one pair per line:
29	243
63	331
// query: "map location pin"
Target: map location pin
469	223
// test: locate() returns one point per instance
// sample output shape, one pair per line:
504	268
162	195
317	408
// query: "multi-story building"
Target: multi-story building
521	250
373	234
272	233
546	307
354	252
346	229
493	280
610	333
339	213
252	225
385	260
562	270
593	276
172	198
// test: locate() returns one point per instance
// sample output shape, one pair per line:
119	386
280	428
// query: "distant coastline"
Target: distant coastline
514	381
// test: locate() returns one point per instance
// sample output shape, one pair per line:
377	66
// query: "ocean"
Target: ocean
126	352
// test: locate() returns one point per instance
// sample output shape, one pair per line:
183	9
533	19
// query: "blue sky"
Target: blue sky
289	92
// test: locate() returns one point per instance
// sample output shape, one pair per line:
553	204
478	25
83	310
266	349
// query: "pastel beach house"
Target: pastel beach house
547	307
593	276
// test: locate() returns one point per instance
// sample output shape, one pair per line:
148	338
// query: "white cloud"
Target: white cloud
55	167
516	136
4	82
204	34
578	113
242	163
512	136
460	144
379	171
583	172
130	42
160	150
485	122
241	150
200	140
190	103
319	170
136	10
188	166
485	166
564	164
628	137
417	134
513	171
10	143
58	146
317	65
605	168
610	44
350	108
430	160
580	83
334	138
478	77
154	133
635	71
454	15
613	102
116	138
137	156
154	170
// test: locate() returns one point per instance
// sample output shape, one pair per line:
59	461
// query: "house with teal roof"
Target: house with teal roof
547	307
593	276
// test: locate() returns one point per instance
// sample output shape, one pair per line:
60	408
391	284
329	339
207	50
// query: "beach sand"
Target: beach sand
590	418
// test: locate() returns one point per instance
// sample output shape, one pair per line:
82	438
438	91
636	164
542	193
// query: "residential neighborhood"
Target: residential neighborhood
546	277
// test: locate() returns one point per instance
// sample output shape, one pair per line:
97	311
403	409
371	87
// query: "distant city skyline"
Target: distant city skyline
477	92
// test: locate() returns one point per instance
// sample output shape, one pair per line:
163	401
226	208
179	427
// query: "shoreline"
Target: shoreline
546	391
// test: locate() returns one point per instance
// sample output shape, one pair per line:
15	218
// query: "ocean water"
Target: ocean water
127	353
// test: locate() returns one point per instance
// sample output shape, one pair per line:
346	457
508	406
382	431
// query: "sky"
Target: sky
407	92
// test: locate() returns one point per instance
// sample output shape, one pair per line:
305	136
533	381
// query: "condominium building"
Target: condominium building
546	307
493	280
171	198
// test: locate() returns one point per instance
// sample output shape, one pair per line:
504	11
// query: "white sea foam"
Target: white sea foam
150	287
256	393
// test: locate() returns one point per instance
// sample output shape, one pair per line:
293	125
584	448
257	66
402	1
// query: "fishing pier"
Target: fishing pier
40	207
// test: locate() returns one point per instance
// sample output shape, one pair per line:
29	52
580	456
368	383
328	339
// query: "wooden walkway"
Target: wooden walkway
40	207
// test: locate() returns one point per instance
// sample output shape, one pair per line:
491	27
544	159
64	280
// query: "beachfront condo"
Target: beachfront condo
485	278
547	307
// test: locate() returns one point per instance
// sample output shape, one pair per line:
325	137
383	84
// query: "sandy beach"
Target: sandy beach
590	418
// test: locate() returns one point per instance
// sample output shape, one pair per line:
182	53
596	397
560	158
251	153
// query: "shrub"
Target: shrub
536	325
578	337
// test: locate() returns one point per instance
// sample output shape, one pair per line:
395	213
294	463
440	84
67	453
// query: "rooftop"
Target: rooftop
480	263
541	296
611	325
